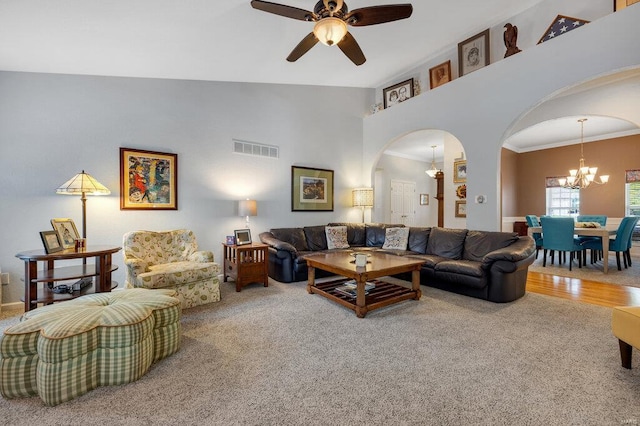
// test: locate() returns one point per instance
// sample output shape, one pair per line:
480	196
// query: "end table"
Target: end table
246	264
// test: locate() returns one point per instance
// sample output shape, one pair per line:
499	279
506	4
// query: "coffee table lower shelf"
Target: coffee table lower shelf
384	294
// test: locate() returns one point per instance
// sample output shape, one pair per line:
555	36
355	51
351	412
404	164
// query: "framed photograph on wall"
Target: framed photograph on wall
440	74
243	236
473	53
621	4
424	199
51	241
460	171
461	208
67	231
311	189
148	180
398	93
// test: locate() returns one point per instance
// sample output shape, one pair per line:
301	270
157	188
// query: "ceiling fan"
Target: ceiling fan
331	18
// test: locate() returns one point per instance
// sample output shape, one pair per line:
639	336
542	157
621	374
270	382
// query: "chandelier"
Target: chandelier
433	170
583	176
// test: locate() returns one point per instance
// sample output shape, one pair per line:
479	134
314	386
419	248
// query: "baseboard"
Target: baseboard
15	306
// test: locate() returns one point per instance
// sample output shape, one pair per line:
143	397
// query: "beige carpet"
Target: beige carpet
595	272
279	356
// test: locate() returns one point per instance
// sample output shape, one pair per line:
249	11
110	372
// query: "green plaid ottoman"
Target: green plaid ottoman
62	351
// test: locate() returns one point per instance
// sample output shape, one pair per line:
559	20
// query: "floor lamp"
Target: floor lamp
363	198
83	184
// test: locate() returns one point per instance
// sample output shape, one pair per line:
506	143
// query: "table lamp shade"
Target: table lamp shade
247	208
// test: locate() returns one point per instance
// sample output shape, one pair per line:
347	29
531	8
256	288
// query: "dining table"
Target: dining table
604	233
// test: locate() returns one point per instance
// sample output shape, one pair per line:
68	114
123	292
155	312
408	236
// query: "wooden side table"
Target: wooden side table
246	264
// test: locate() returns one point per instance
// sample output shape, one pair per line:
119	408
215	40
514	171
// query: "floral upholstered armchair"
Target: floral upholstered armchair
170	259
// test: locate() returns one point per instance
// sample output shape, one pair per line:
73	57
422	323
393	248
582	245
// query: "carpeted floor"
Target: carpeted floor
279	356
594	272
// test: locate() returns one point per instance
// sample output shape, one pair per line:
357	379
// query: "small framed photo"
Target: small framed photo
51	241
67	231
148	180
424	199
461	208
473	53
621	4
398	93
243	236
231	240
311	189
440	74
460	171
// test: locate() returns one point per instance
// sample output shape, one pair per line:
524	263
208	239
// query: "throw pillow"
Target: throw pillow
396	238
336	237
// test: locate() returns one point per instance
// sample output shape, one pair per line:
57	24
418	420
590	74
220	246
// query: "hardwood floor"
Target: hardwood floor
585	291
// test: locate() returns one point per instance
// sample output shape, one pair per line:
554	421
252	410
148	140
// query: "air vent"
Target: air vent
257	149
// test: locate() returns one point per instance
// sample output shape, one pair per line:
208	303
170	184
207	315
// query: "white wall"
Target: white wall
53	126
480	109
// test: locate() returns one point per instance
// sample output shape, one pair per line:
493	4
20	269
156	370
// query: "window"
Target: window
563	201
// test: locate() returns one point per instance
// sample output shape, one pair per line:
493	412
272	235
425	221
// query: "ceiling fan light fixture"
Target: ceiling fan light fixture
330	30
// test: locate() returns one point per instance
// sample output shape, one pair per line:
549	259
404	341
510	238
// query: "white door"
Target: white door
403	202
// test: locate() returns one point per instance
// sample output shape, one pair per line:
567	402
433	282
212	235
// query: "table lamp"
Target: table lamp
247	208
83	184
363	198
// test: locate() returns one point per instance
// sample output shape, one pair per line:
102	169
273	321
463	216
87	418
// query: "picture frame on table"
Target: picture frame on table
474	53
311	189
67	231
461	208
424	199
621	4
460	171
51	241
148	180
440	74
398	93
242	237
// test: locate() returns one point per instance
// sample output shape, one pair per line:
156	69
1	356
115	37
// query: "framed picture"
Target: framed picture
398	93
460	171
461	208
311	189
473	53
621	4
243	236
424	199
440	74
67	231
148	180
231	240
51	241
553	181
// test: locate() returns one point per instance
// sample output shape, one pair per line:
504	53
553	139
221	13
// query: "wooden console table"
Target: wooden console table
35	293
246	264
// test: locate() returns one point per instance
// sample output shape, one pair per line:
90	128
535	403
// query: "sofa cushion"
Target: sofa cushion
336	237
355	233
376	232
418	238
478	243
293	236
396	238
316	237
446	242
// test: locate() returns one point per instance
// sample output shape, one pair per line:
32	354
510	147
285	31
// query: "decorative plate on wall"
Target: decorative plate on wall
461	191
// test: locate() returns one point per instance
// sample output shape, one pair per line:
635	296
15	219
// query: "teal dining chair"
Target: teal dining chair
533	221
628	252
621	242
557	234
601	220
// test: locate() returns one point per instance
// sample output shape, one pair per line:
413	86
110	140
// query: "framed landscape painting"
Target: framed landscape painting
148	180
311	189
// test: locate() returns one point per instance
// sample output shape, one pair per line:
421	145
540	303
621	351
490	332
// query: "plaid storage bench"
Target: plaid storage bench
62	351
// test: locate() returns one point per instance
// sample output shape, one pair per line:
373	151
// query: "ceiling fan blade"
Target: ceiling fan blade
282	10
303	47
350	47
378	14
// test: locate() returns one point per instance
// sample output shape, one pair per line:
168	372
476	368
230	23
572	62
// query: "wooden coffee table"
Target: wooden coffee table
378	265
